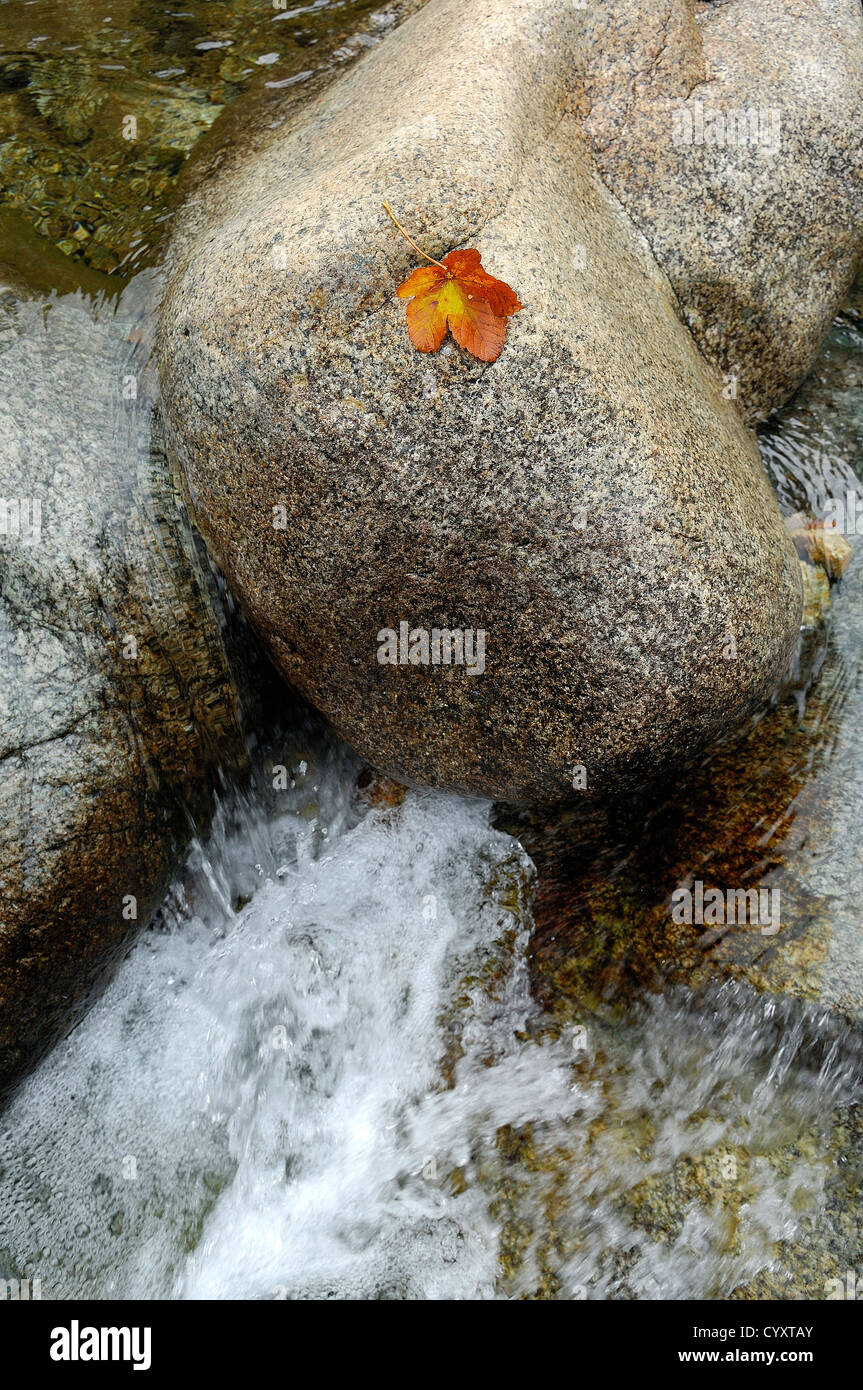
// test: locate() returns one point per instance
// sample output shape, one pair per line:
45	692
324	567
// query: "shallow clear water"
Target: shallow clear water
101	101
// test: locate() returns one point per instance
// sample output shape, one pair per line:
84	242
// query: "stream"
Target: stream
334	1067
343	1089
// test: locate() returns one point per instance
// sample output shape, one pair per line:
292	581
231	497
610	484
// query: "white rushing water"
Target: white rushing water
324	1092
289	1050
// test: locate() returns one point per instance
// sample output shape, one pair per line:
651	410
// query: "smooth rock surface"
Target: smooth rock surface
116	700
590	501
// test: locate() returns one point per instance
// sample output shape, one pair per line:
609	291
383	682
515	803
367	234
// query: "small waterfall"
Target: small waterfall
321	1074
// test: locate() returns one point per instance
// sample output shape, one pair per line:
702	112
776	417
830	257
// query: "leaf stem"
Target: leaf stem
389	210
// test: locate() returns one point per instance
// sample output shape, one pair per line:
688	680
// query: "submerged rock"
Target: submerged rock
590	507
116	700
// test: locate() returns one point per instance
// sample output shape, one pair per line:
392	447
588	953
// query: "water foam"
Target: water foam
322	1075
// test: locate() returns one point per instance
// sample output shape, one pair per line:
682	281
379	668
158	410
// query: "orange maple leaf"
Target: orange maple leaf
456	293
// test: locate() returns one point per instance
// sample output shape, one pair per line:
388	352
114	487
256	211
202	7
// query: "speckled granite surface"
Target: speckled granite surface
592	501
736	147
116	701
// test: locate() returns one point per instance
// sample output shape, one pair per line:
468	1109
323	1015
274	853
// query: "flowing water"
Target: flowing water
344	1089
338	1064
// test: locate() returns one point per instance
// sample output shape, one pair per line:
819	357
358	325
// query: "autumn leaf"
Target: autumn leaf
456	293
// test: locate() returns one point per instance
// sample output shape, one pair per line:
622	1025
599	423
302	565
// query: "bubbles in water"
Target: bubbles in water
344	1089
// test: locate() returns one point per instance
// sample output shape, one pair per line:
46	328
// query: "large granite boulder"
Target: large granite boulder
733	135
117	706
592	502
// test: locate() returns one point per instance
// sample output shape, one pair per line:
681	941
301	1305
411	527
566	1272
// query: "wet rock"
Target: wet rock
29	263
591	503
715	1148
736	147
776	808
853	306
117	705
816	594
825	546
